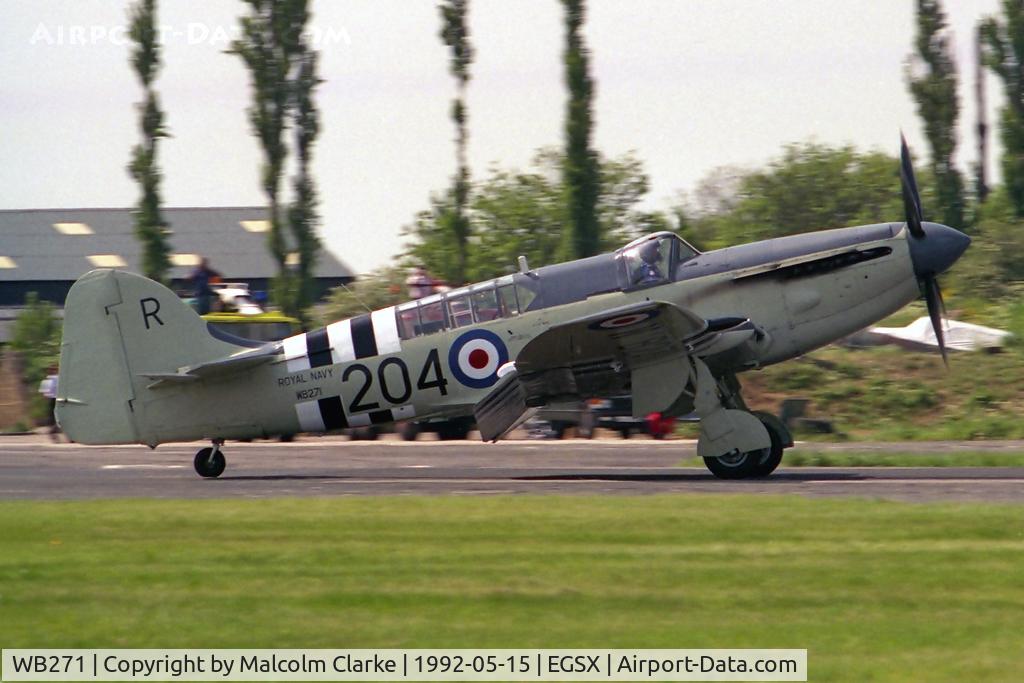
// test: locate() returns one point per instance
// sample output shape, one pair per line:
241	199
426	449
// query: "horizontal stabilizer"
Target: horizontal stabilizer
215	368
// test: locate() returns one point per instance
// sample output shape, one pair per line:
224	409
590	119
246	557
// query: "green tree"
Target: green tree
996	256
432	242
455	34
36	336
379	289
283	76
150	228
523	213
932	78
582	181
302	215
1003	52
810	187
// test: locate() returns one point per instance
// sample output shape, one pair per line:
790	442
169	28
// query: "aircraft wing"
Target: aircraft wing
561	361
216	368
633	335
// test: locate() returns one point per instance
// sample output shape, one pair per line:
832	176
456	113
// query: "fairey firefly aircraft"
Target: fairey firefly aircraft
657	318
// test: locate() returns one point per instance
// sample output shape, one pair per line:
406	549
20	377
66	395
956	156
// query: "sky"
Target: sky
687	85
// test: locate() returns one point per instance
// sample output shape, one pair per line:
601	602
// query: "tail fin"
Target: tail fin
118	327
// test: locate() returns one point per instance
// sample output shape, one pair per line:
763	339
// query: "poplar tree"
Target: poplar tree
303	217
1003	52
283	75
150	228
932	78
581	172
455	34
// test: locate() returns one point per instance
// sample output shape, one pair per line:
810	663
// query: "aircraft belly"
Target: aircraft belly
233	408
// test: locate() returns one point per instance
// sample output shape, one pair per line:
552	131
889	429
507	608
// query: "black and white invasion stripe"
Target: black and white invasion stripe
328	414
365	336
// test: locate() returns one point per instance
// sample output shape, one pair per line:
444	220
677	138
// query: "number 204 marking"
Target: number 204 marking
430	377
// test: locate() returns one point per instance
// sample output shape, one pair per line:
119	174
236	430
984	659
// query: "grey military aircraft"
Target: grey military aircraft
656	318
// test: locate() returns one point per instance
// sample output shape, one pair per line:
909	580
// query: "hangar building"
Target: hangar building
46	250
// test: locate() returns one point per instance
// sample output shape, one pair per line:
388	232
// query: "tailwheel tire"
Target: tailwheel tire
749	465
209	463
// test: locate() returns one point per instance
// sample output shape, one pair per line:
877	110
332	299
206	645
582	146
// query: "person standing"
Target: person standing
420	283
48	388
201	277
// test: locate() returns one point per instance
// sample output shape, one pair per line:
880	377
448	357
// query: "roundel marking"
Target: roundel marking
475	357
626	320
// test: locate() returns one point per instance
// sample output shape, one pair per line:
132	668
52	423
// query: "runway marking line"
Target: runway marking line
142	466
981	480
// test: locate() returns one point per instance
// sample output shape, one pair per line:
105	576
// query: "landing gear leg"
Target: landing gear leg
767	459
734	442
210	462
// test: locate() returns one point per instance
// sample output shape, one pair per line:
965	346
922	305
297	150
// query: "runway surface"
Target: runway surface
33	469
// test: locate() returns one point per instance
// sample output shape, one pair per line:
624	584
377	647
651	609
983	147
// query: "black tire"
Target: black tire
453	430
739	466
209	464
364	434
624	432
408	431
767	463
749	465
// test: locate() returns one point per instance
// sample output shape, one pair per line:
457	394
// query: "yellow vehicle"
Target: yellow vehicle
261	327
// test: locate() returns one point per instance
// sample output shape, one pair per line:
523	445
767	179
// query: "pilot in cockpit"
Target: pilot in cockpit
649	269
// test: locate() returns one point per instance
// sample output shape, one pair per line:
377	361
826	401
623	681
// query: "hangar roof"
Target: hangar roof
63	244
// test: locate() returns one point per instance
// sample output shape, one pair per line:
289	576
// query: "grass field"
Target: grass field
875	590
888	394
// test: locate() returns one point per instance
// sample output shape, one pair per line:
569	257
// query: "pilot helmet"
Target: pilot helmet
650	251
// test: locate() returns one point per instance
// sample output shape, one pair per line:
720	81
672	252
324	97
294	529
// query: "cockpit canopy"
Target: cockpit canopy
650	260
653	259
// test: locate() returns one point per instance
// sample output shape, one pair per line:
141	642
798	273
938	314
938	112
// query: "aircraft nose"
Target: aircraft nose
939	249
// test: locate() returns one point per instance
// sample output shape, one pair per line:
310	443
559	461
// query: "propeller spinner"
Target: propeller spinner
933	247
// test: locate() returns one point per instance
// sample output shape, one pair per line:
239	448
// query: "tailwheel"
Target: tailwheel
210	462
749	465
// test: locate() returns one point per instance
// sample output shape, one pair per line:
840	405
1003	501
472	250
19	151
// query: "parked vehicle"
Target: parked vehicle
615	413
262	327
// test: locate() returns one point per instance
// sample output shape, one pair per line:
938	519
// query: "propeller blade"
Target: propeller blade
936	311
911	198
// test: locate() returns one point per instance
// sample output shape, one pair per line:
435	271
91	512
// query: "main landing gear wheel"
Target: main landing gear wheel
749	465
210	462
